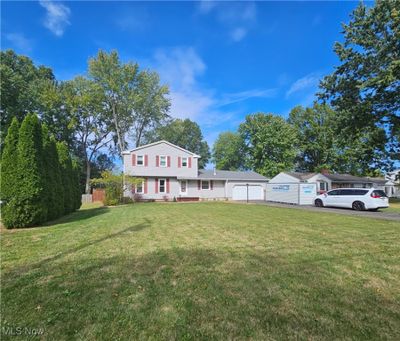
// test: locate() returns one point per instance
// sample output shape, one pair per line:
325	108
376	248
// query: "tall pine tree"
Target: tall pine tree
52	176
67	181
9	177
28	206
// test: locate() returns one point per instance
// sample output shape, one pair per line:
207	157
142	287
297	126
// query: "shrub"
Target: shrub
27	207
67	182
8	175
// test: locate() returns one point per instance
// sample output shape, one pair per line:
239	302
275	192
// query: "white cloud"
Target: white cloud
238	34
57	17
309	81
236	17
182	68
19	41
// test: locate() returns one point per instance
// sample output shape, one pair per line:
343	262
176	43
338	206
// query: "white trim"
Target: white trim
166	161
158	142
180	187
205	189
165	185
137	158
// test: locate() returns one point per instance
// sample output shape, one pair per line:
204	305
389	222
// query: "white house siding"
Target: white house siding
152	170
284	178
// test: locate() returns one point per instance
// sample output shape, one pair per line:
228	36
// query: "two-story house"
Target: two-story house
170	171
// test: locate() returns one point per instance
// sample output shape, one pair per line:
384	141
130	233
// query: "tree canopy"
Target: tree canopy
364	89
228	152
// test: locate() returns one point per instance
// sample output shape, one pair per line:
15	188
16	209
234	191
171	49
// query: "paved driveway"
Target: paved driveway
376	215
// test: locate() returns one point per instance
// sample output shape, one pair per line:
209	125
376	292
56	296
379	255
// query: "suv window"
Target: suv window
346	192
360	192
334	192
382	194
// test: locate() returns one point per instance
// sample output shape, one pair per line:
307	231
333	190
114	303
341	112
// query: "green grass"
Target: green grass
204	271
394	206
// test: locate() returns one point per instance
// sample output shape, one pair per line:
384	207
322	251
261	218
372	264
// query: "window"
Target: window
184	162
323	186
378	194
161	185
163	161
139	188
183	187
205	184
140	160
335	192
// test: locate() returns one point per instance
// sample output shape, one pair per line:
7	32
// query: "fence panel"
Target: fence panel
98	195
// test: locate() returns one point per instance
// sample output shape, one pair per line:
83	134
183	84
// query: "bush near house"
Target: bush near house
32	184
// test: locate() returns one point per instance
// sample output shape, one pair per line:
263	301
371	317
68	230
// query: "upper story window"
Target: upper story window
163	161
184	162
140	160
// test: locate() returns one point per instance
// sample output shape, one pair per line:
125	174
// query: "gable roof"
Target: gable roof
300	176
159	142
208	174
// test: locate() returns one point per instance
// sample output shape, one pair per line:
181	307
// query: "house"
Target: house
169	172
326	181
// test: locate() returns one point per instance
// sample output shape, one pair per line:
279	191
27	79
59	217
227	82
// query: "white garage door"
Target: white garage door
240	192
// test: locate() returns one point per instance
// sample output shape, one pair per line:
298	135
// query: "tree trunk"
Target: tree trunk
87	184
119	137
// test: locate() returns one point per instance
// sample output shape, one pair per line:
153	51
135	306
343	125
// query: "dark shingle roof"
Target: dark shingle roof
207	174
347	178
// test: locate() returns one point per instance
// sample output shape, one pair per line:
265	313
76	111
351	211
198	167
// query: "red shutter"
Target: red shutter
133	159
179	162
167	185
211	185
168	161
146	160
157	161
145	185
190	162
198	184
156	182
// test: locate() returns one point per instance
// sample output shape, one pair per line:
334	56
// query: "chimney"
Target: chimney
215	171
325	171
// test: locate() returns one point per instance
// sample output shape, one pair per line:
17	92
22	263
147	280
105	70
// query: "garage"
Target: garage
250	192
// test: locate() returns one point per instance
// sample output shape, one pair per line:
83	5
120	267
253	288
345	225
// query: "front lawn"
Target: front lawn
203	271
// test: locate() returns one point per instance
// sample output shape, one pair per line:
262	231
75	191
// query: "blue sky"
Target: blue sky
222	60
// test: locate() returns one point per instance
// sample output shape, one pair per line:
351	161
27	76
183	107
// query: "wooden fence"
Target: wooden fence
97	195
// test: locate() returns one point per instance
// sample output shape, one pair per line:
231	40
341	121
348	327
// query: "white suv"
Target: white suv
359	199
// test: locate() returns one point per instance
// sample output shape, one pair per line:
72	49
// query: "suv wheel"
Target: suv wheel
319	203
358	206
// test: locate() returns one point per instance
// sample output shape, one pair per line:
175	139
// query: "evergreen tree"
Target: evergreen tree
76	185
52	176
9	179
66	170
28	205
59	189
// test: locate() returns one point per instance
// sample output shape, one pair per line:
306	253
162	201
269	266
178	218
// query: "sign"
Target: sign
308	189
280	188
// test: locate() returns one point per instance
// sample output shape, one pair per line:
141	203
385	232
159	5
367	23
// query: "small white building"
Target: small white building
302	188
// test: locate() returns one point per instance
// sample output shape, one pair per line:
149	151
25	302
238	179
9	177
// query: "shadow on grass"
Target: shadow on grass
197	294
79	215
83	246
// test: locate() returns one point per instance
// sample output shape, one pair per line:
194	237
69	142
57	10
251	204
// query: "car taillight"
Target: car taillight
375	196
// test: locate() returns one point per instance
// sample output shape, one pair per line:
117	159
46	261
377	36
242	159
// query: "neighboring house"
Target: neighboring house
326	181
169	171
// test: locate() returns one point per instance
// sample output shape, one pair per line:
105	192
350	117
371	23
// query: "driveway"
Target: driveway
376	215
